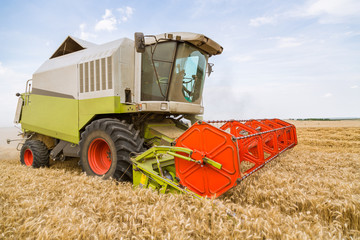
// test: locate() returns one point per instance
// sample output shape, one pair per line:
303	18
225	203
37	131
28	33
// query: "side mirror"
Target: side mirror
139	42
210	68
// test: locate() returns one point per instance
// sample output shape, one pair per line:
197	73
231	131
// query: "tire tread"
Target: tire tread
126	139
40	153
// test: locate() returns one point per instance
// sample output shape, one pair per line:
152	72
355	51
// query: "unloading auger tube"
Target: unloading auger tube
207	160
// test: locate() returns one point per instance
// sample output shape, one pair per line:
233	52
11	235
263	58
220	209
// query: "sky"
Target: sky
283	59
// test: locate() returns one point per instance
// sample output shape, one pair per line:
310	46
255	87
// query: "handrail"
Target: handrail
27	92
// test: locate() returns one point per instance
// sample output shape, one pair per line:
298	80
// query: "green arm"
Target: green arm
152	152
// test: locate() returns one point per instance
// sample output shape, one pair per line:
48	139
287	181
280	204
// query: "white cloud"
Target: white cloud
256	22
327	95
326	11
85	35
287	42
329	11
334	7
108	22
355	86
126	13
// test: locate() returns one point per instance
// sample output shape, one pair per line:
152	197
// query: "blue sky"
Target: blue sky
285	59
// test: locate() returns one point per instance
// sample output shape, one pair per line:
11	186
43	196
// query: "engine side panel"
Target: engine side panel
51	116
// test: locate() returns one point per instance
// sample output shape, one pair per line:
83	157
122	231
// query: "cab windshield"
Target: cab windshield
179	78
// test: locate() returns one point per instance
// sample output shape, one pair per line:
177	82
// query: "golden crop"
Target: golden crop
309	192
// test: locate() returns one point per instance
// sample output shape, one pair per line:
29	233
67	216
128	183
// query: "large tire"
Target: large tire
105	149
34	153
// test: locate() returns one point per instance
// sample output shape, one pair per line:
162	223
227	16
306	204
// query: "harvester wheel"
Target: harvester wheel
105	148
34	153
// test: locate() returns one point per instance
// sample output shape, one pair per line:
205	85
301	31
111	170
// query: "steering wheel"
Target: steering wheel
186	92
163	80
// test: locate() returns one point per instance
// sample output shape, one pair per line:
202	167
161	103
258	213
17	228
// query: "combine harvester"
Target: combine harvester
122	108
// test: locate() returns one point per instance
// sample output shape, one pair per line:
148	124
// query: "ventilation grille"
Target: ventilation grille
96	75
92	76
81	78
97	70
109	71
86	77
103	74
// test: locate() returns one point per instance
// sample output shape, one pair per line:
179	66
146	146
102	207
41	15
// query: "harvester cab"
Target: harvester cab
120	107
173	69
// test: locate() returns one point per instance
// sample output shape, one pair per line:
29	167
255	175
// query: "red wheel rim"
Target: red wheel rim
28	157
99	156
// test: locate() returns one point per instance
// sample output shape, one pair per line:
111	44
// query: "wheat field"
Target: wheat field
310	192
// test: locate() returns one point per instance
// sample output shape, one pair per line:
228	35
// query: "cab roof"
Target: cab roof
199	40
